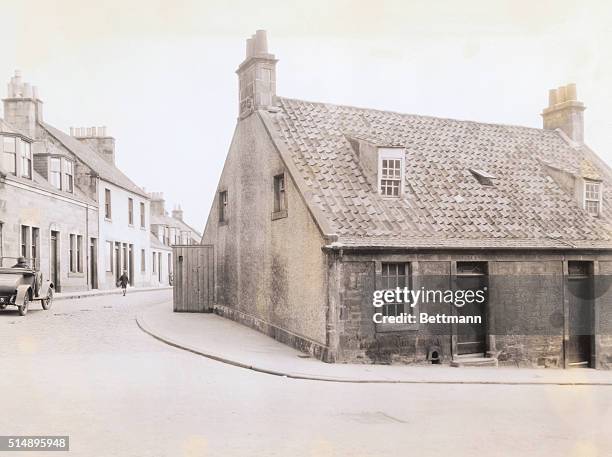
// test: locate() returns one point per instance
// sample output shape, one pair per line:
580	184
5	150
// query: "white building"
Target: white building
85	160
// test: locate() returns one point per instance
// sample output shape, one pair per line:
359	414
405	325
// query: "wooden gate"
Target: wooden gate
193	278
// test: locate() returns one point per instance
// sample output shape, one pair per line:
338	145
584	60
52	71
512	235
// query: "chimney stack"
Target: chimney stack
177	213
256	76
158	204
97	139
565	112
22	107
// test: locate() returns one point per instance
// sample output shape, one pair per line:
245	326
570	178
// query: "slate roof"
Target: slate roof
5	128
92	159
444	204
159	219
156	244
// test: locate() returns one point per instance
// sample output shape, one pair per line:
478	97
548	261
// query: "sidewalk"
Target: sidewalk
101	292
227	341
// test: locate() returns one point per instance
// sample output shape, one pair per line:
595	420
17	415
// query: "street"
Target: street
86	370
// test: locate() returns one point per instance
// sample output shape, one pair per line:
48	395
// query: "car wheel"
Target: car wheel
3	306
23	309
47	302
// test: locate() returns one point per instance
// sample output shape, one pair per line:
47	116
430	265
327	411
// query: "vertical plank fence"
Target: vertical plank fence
193	278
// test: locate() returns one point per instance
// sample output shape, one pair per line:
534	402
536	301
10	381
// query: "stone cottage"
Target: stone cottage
321	205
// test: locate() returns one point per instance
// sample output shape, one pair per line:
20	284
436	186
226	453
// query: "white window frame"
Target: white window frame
391	154
590	199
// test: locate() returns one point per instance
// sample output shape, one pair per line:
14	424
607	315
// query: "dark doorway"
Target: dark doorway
580	341
54	261
472	338
131	264
93	263
117	262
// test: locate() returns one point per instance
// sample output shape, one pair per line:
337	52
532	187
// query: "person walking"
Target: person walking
123	281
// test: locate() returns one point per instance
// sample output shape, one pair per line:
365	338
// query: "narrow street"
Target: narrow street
86	370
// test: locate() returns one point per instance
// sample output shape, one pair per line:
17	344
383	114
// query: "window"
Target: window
154	262
35	245
394	275
143	260
76	253
25	241
109	256
130	211
9	158
55	172
68	175
391	177
280	203
592	197
79	250
223	206
26	158
107	203
142	215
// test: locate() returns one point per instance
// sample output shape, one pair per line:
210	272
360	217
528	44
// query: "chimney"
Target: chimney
22	107
256	76
158	204
565	112
97	139
177	213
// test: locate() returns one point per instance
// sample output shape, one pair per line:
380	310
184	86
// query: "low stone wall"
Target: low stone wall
298	342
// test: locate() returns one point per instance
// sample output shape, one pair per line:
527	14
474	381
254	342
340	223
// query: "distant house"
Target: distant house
113	235
320	205
167	231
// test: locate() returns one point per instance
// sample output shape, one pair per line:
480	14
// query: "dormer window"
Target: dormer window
26	159
390	171
9	156
55	172
68	176
592	197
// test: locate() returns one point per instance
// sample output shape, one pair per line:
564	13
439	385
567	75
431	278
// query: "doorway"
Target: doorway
472	338
54	261
581	313
117	261
93	263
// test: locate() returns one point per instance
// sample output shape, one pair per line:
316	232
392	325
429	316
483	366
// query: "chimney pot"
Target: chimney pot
552	97
571	92
261	42
249	48
561	94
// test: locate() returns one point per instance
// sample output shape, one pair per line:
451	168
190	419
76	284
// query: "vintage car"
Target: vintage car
21	283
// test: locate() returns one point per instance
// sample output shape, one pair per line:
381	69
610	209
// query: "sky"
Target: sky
161	74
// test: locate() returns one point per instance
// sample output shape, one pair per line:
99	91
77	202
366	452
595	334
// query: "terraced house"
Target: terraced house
84	218
320	205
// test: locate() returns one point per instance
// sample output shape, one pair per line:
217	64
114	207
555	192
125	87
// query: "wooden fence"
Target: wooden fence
193	278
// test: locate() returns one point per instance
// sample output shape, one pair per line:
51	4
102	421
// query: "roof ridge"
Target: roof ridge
425	116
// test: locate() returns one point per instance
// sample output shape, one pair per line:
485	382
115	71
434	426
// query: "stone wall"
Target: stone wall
24	203
271	269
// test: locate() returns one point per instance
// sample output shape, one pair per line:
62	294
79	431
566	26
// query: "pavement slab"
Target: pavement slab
226	341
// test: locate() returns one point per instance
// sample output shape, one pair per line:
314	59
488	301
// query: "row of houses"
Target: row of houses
320	205
66	207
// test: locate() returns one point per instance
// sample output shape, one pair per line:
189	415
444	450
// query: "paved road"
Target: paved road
84	369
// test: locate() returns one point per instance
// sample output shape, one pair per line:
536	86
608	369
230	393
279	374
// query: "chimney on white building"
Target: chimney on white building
22	107
177	213
565	112
98	139
256	76
158	204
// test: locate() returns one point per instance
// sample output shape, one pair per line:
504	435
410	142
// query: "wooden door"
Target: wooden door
193	278
472	338
581	313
